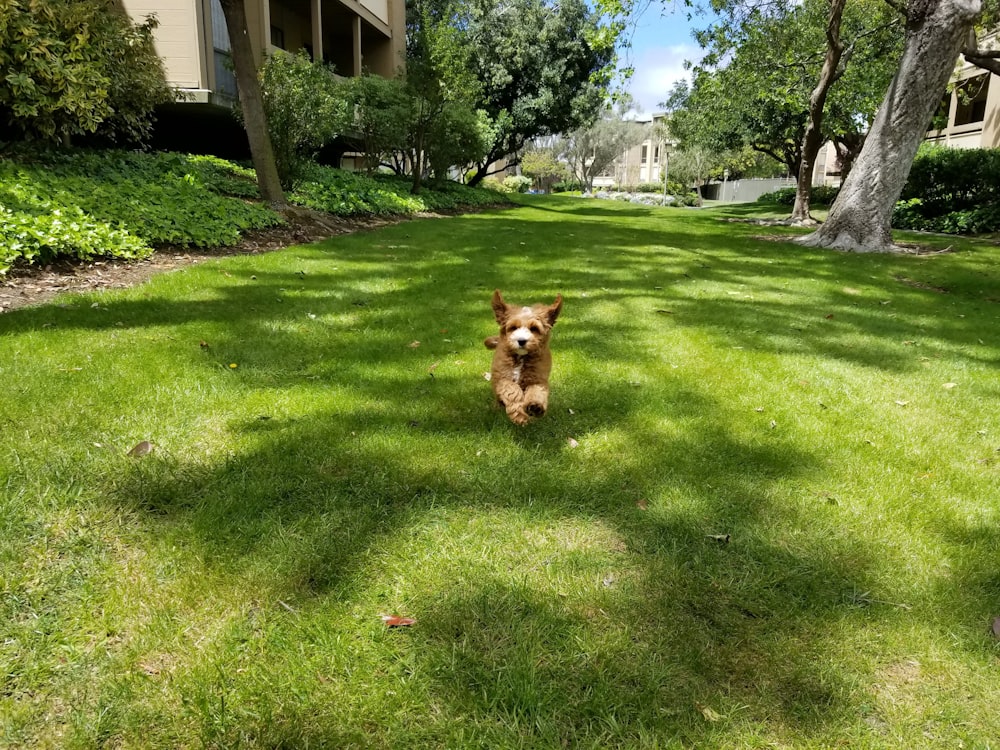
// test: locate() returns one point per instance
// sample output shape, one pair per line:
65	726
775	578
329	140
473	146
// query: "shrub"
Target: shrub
821	195
352	194
567	186
516	183
306	109
72	67
955	191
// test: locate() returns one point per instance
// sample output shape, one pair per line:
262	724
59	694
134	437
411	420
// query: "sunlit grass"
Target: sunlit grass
325	452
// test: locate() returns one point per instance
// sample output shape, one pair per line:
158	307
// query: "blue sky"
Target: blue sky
661	42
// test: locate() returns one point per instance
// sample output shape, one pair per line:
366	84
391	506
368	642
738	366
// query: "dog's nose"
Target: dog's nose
522	342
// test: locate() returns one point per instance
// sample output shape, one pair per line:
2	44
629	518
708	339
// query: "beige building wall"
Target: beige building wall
177	39
356	36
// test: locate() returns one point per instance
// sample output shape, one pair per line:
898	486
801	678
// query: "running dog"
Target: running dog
521	358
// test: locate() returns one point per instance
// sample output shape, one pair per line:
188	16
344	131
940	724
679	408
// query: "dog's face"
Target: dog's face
524	330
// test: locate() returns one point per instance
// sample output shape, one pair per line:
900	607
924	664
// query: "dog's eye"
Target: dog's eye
535	328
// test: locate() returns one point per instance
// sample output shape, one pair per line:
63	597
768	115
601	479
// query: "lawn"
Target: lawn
763	511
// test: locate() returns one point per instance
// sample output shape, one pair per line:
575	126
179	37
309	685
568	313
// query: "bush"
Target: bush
72	67
821	195
306	109
567	186
955	191
353	194
516	183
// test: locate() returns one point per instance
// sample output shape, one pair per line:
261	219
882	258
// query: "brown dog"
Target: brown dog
521	358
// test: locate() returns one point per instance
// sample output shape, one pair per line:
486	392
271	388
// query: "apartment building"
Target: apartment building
355	36
971	110
644	162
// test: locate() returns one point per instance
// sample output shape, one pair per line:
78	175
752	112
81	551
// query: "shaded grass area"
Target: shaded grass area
326	452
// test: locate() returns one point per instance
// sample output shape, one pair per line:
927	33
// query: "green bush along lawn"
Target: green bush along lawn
325	452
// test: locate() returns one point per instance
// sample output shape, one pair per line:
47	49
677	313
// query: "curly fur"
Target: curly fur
521	358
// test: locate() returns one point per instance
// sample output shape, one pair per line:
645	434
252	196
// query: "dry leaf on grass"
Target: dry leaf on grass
141	449
708	712
396	621
572	443
996	627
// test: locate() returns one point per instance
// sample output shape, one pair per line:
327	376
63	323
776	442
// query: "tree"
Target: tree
590	151
543	67
542	166
768	79
72	68
860	218
252	104
381	111
305	109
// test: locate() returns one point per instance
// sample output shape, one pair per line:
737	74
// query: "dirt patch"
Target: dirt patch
32	285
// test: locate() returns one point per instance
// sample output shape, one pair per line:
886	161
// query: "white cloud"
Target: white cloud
656	71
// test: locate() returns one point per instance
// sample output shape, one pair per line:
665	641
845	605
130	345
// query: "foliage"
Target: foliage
382	111
541	68
305	109
344	193
592	150
951	190
516	183
761	64
823	195
73	67
118	203
543	167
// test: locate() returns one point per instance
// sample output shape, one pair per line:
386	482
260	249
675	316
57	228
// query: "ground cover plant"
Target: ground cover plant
123	204
762	510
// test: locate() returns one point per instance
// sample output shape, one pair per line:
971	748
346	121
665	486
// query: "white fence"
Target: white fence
744	191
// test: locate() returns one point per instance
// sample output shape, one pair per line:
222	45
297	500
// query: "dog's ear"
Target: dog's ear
499	307
553	310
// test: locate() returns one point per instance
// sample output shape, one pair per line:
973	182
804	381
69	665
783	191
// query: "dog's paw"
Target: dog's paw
518	416
535	409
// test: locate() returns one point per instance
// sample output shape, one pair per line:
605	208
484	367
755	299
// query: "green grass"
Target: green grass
226	589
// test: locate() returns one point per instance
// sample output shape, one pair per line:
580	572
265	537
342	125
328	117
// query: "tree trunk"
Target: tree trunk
813	138
252	104
860	219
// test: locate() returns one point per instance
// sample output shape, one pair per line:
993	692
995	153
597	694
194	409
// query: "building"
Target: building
644	162
353	35
971	110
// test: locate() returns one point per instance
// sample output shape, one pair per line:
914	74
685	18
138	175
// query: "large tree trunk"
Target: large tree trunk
860	219
813	138
252	104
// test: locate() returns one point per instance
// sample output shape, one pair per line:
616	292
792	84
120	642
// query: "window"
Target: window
972	94
277	37
656	154
645	154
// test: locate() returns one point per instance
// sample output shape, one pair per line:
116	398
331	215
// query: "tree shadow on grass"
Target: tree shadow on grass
312	496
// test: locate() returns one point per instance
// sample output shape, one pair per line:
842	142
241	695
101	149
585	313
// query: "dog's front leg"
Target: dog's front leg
536	399
511	396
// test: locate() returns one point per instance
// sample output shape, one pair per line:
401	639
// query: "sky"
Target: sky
661	42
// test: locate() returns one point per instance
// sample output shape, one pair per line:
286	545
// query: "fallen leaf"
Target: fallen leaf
572	443
720	538
996	627
434	366
949	386
488	376
233	365
203	345
413	344
829	317
395	621
141	449
708	712
759	409
773	424
642	504
902	403
665	312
